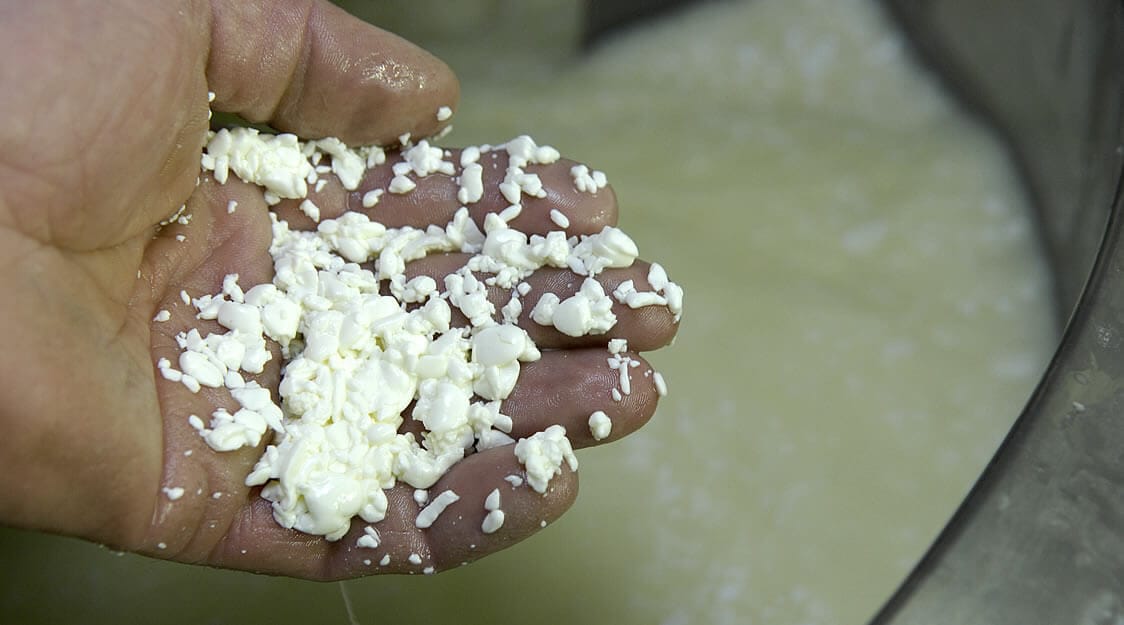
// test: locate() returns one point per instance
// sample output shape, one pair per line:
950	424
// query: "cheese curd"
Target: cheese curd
355	359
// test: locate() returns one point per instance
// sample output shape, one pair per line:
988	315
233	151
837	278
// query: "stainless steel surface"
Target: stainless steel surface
1040	539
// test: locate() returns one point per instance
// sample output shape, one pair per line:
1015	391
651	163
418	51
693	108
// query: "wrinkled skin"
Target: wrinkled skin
105	112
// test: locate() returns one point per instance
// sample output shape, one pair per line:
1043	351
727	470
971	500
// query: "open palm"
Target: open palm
100	145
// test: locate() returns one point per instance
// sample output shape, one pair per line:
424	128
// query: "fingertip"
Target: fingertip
463	532
568	386
584	212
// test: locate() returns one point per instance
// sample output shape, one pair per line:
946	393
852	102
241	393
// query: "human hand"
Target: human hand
102	144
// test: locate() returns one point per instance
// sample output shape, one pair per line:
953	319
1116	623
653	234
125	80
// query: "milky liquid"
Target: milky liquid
866	314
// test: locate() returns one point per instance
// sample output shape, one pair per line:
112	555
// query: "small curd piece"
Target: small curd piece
600	425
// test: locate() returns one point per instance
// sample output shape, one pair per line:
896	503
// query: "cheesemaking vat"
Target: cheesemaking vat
1040	538
818	485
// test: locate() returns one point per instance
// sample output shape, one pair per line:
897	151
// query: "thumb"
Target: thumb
310	68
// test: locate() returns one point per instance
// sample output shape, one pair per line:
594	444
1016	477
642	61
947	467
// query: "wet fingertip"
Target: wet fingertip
624	408
580	212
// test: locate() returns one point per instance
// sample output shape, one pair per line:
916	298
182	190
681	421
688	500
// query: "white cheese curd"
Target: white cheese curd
492	501
424	159
621	364
311	209
355	359
471	182
401	184
543	454
370	539
600	425
586	180
371	198
596	252
348	165
430	513
271	161
559	219
664	293
589	311
493	521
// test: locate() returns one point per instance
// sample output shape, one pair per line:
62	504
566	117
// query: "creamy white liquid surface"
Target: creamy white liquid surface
866	314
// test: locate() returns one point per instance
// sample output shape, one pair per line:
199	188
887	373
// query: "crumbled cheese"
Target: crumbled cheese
348	165
271	161
163	315
370	539
444	113
371	198
589	311
401	184
471	183
587	181
559	219
492	501
609	248
356	359
173	493
430	513
621	363
469	155
600	425
493	521
665	293
424	160
414	559
231	206
543	454
311	209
